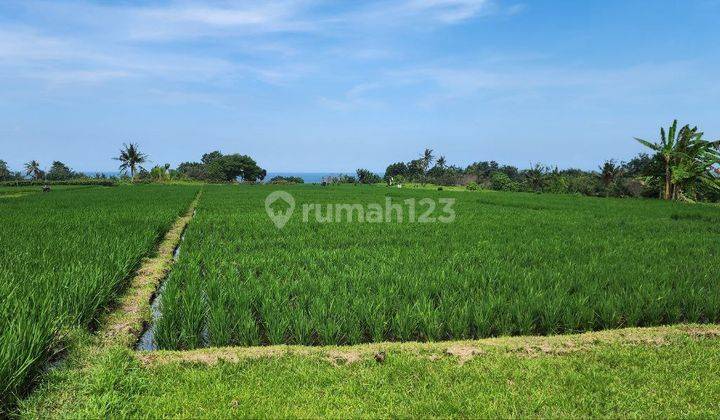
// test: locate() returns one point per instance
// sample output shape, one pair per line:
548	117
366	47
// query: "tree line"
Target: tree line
213	167
681	165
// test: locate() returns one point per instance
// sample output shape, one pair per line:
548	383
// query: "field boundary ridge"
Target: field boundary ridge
463	350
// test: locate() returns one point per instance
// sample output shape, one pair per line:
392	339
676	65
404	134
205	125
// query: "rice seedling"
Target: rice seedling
509	264
64	257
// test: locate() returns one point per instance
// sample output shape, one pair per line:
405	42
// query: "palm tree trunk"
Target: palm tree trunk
667	180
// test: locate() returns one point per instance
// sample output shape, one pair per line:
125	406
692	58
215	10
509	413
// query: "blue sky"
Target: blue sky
313	85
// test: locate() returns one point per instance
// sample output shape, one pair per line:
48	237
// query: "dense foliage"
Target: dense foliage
365	176
61	172
6	174
286	180
65	256
642	176
510	264
339	179
216	167
689	163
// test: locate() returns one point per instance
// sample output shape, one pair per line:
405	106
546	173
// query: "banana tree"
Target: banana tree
695	165
689	160
666	148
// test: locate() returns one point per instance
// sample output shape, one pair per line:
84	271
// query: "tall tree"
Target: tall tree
5	173
441	162
395	169
131	158
427	159
59	172
32	168
365	176
609	172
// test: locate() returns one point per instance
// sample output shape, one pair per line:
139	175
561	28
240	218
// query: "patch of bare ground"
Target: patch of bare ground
460	351
702	331
343	357
124	325
463	353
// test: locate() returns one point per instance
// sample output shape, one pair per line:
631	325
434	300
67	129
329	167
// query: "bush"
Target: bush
365	176
556	184
583	183
472	186
286	180
500	181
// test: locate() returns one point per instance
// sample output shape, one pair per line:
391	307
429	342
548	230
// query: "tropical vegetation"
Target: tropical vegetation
689	162
217	167
131	159
682	165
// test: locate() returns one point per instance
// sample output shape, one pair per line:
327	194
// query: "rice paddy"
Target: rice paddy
510	264
65	256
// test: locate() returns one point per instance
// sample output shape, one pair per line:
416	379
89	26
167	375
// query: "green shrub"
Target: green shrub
500	181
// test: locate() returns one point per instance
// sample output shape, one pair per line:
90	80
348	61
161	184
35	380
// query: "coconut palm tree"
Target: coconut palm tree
33	168
427	159
441	162
131	158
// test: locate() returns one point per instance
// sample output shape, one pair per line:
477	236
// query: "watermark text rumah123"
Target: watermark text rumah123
280	206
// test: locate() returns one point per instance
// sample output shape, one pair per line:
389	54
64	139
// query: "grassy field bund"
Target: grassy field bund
636	372
65	256
476	318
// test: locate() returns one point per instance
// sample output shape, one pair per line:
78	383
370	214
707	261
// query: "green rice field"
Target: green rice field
65	256
510	264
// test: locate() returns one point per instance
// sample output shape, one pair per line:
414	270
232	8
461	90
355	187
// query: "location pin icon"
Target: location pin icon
279	217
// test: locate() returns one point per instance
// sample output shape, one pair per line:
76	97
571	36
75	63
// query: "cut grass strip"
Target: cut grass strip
464	350
664	372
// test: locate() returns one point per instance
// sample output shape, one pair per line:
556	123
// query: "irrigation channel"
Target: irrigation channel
147	339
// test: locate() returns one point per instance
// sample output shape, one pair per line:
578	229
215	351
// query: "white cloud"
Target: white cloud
450	11
192	20
216	43
432	86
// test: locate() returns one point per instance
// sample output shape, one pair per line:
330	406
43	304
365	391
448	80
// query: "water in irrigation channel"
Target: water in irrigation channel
147	340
